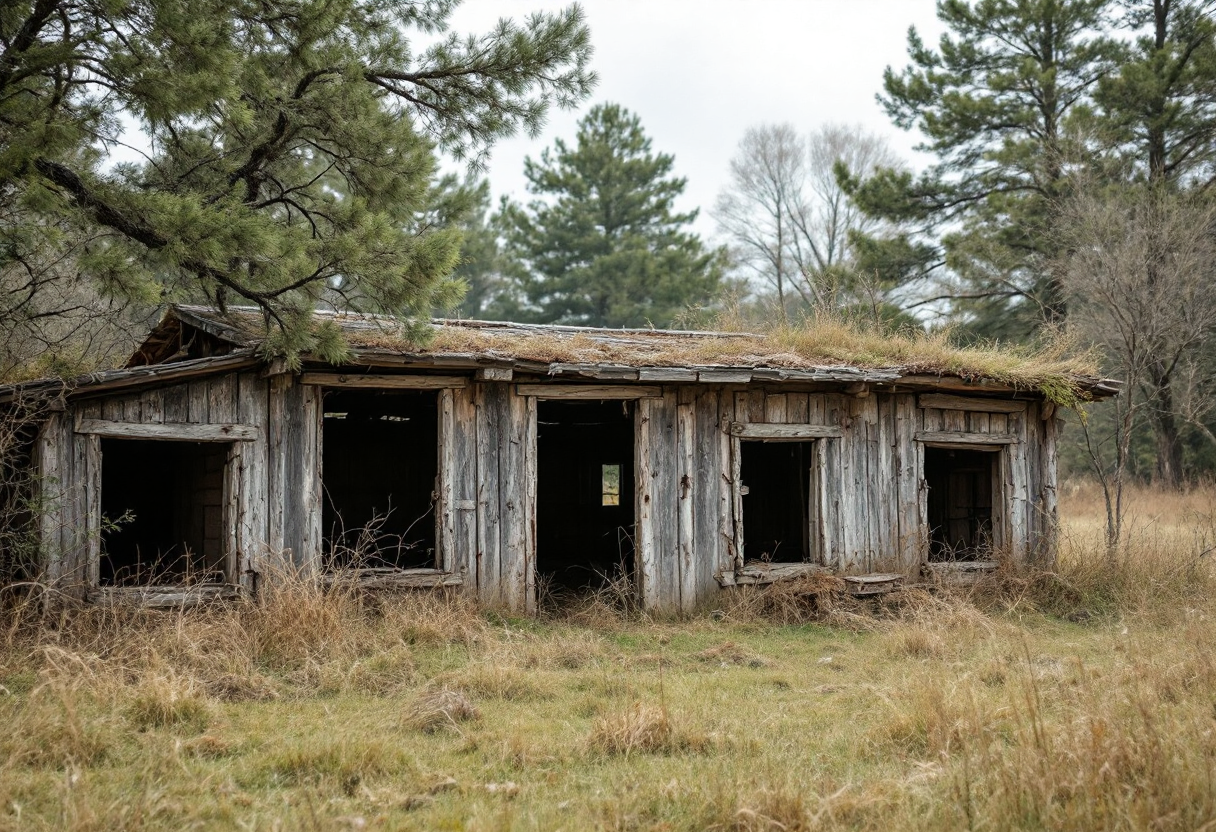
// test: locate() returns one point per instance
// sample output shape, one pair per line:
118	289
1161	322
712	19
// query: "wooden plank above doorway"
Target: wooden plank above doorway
181	432
777	433
589	392
384	382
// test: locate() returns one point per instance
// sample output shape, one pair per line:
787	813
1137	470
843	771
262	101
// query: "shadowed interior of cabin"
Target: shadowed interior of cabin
380	461
584	493
960	483
162	504
776	518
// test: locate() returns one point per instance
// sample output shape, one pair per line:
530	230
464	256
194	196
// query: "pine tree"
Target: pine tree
993	102
1158	117
1159	109
290	146
602	245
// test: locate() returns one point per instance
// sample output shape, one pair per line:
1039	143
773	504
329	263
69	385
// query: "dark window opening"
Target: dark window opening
584	494
778	487
162	506
380	462
960	486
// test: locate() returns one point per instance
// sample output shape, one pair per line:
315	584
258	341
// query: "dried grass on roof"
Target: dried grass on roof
1053	366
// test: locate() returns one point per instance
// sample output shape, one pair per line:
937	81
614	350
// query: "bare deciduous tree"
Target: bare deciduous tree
54	318
788	219
1140	272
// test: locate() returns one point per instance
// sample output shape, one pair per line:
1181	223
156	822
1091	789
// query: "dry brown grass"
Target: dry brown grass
1000	707
1163	568
440	708
806	599
642	729
823	338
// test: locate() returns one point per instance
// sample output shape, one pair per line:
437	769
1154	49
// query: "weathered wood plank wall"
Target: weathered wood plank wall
70	464
294	481
868	488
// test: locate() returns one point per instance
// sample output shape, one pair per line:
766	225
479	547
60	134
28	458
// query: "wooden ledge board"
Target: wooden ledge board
962	565
393	578
943	401
171	431
162	596
767	573
589	391
873	584
384	382
787	433
957	438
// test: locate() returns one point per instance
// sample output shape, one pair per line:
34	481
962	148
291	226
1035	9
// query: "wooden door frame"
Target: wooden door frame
1003	480
533	394
87	437
817	510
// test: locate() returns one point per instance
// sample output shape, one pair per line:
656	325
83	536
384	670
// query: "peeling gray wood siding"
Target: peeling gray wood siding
870	496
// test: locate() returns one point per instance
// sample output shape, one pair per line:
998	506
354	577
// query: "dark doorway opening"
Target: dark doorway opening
960	485
162	506
584	494
380	461
778	486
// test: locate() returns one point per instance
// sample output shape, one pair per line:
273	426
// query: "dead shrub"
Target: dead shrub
642	729
918	642
806	599
235	687
439	708
1123	758
924	721
380	674
208	746
495	681
605	608
56	724
565	651
345	764
167	700
297	618
772	811
433	618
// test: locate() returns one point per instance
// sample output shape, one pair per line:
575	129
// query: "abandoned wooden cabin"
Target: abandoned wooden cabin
501	458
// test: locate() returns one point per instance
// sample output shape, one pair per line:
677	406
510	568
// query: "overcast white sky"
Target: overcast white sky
700	72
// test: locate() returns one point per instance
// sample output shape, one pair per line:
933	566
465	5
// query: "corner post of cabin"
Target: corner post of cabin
688	490
279	491
60	500
647	577
446	494
1021	501
1046	546
234	509
85	573
314	532
518	471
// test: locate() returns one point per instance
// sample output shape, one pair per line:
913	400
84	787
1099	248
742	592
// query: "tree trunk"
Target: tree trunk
1164	422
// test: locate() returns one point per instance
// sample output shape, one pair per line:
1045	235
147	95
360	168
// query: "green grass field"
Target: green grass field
1080	700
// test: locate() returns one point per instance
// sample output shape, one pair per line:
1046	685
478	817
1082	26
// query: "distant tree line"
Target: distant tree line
1073	147
1075	151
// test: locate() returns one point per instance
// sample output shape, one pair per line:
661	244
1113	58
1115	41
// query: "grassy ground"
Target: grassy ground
1083	699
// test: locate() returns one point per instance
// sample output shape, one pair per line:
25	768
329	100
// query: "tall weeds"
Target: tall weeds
1077	698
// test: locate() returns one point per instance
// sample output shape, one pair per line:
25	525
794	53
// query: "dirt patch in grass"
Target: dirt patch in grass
730	653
